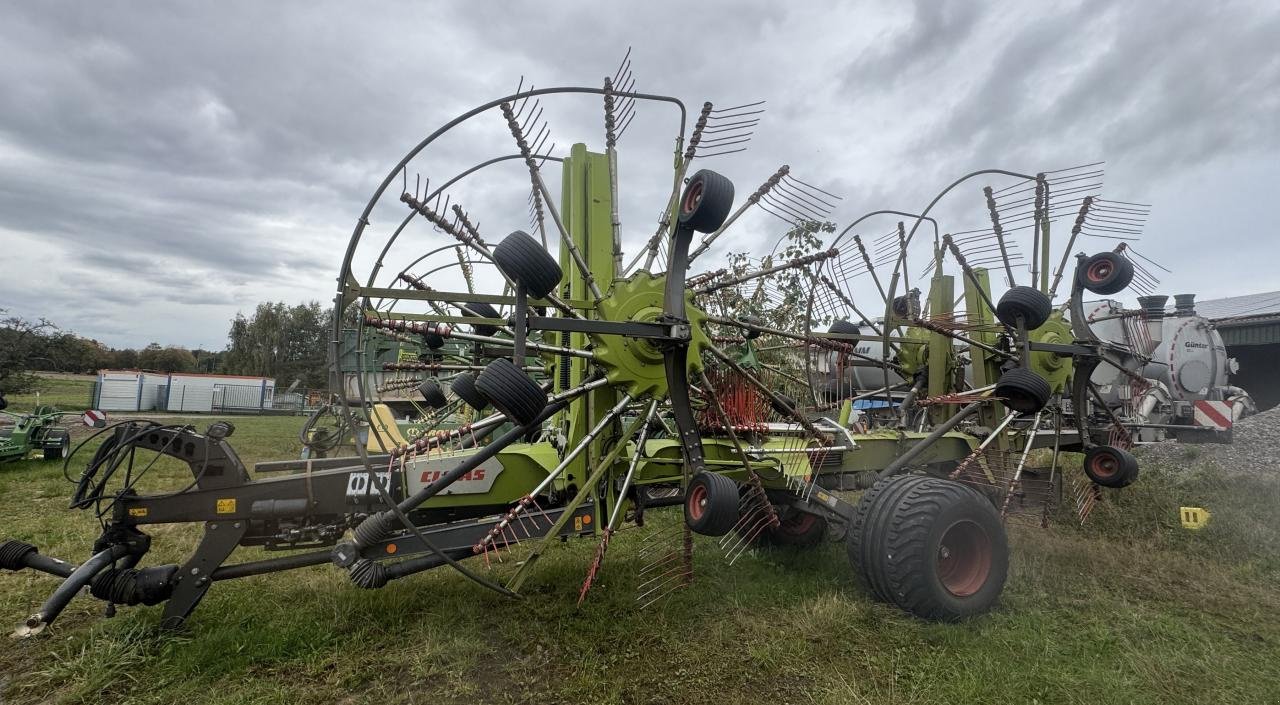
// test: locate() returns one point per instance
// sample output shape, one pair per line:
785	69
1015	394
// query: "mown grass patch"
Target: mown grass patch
67	392
1130	608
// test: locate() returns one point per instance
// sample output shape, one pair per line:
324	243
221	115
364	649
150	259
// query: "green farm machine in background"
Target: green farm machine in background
37	431
581	389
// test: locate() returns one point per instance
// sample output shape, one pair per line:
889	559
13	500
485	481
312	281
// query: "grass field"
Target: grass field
67	392
1129	609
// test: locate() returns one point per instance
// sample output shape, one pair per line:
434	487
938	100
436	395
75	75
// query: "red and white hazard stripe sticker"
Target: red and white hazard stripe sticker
1214	414
94	418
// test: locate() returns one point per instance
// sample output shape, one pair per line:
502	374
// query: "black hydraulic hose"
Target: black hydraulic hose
79	578
50	565
923	444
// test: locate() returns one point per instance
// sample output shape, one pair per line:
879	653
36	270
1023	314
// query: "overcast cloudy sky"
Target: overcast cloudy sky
165	166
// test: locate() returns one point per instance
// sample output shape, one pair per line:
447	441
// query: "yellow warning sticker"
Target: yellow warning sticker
137	511
226	506
577	523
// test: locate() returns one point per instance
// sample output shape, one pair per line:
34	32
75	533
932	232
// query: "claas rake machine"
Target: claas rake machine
586	390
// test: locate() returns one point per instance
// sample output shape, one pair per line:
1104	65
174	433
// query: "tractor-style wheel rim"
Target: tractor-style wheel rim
1104	465
1099	271
964	558
798	524
697	502
692	198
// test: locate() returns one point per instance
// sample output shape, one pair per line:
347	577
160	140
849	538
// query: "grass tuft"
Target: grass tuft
1130	608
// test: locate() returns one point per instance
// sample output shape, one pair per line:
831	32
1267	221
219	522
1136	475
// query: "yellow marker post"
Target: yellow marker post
1194	518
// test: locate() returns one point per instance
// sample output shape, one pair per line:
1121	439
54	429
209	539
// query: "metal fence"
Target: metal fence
229	399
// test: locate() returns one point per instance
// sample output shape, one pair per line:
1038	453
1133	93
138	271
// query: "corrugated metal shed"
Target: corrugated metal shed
1253	319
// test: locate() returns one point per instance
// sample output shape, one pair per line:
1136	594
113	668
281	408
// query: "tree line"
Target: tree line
277	340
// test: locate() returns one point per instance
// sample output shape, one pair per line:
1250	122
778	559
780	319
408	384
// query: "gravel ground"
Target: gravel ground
1255	446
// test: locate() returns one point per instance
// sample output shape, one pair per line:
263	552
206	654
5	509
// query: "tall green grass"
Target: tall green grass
1130	608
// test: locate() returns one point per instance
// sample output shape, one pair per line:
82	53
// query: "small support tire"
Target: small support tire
1110	466
511	391
1023	391
1027	303
711	504
706	201
525	261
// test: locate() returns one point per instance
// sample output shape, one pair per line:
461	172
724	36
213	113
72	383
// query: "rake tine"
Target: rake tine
744	538
659	563
677	578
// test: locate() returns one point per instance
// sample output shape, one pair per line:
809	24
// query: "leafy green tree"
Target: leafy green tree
166	359
280	341
68	352
779	300
123	359
21	342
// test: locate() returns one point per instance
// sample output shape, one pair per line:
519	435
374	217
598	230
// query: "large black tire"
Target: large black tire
706	201
1105	273
795	529
525	261
61	450
1030	304
1110	466
1023	390
933	547
464	386
511	391
711	504
433	394
862	534
482	310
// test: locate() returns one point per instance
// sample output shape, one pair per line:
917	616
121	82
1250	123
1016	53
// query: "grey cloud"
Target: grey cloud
188	160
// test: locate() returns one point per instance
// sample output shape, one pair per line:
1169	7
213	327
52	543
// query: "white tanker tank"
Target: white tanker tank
839	375
1189	361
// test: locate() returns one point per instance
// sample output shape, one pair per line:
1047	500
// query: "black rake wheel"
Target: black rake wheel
482	310
711	504
796	529
706	201
933	547
511	391
464	386
1106	273
1023	391
525	261
1110	466
1028	303
845	327
433	394
433	341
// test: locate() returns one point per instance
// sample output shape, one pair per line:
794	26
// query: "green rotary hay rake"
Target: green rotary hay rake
567	390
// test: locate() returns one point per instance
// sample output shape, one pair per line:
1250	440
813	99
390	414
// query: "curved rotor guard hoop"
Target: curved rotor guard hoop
676	359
